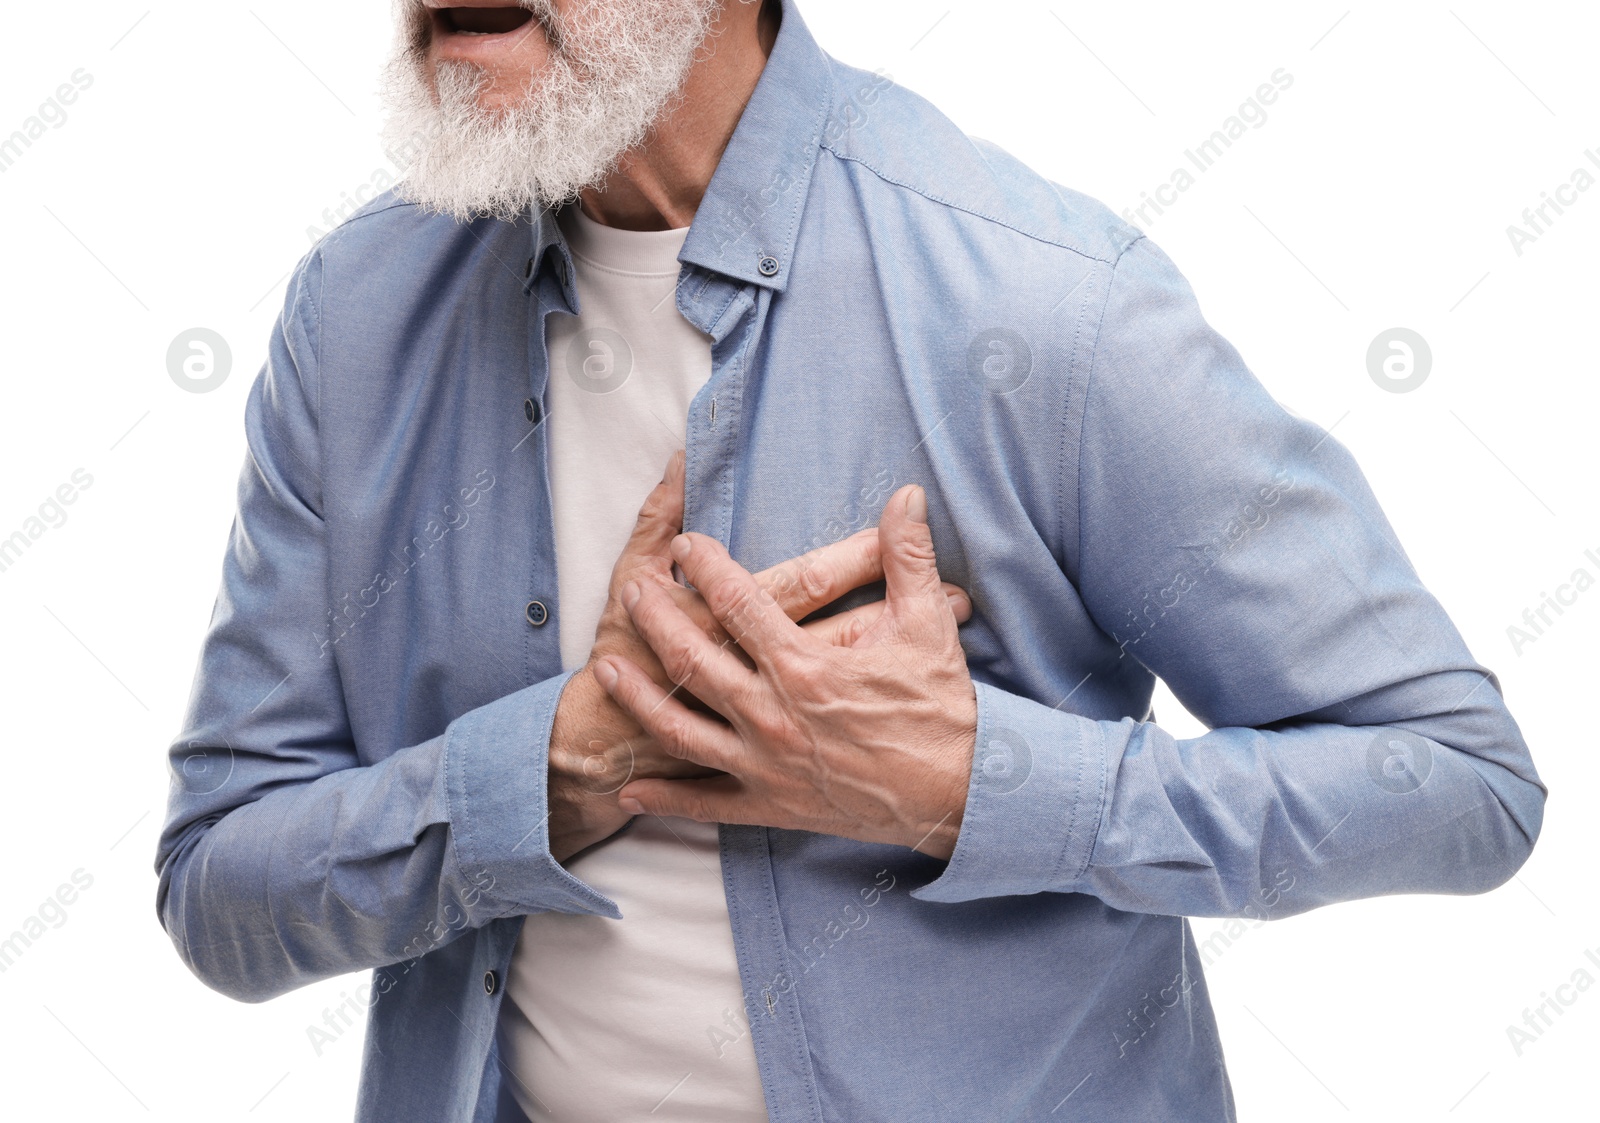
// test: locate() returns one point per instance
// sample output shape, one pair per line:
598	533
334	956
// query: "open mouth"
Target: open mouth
495	36
478	21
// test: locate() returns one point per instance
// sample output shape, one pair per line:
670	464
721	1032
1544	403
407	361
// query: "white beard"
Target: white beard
615	68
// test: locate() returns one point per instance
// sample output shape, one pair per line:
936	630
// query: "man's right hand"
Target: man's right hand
595	747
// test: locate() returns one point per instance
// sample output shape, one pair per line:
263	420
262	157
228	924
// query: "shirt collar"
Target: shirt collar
546	234
748	222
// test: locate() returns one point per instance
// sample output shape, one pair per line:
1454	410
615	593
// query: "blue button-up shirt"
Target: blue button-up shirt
360	783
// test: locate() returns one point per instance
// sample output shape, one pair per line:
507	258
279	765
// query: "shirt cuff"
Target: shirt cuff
496	761
1034	803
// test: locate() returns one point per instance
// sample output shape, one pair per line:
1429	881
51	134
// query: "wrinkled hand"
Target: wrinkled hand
867	737
596	746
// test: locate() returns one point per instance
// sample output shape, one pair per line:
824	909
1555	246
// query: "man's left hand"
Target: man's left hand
870	739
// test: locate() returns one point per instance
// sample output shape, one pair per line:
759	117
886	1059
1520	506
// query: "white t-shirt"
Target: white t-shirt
643	1017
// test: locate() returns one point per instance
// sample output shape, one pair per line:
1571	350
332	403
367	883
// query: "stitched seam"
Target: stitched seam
726	490
1074	798
1085	727
314	310
1088	385
958	858
804	193
799	1044
1066	415
454	761
1099	807
1088	388
355	218
733	294
963	208
544	726
1077	803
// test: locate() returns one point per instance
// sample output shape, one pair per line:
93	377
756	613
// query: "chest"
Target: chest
443	466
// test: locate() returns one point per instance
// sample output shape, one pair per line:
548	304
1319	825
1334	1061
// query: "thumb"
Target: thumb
712	800
661	517
910	569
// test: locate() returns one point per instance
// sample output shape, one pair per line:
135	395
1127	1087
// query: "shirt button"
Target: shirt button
530	410
491	983
537	613
528	269
768	265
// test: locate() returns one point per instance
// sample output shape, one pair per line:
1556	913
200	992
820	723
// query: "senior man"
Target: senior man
627	832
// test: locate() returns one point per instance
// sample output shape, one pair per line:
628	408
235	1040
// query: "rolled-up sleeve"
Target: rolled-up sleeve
1355	748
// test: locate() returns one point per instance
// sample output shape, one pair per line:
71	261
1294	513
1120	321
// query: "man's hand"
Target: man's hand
595	746
869	737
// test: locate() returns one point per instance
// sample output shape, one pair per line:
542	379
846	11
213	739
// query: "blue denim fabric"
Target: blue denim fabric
360	782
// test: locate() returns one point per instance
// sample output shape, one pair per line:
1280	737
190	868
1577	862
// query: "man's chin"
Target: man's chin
494	96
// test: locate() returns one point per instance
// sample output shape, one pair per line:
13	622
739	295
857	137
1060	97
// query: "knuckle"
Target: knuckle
770	725
630	699
692	605
916	548
730	599
629	567
656	506
807	675
645	614
724	591
763	723
682	660
817	581
852	628
779	582
677	734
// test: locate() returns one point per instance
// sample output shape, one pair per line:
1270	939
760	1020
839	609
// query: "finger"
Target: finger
678	730
736	599
819	577
691	658
692	605
960	602
601	772
910	569
660	520
843	629
717	800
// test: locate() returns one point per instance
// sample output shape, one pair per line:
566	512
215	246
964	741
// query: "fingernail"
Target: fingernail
631	805
917	505
606	674
630	595
681	545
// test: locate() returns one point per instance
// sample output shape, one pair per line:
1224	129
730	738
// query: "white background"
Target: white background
179	192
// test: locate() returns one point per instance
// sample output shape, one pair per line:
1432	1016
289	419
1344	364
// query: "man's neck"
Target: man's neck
659	185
